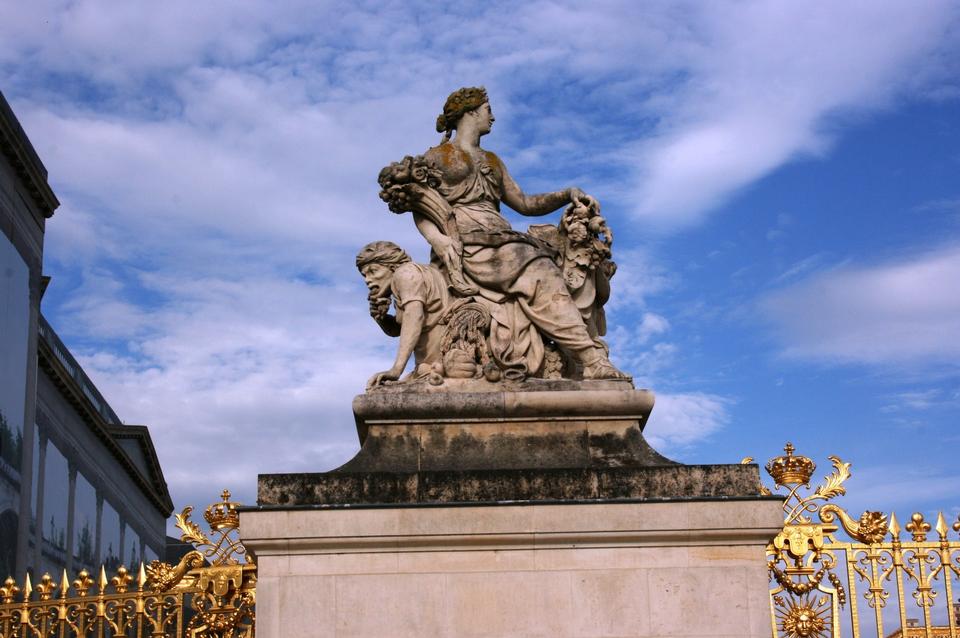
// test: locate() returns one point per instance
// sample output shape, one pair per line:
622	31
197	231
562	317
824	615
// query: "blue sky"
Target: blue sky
780	178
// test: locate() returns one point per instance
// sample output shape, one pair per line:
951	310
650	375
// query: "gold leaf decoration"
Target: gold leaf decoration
191	531
833	483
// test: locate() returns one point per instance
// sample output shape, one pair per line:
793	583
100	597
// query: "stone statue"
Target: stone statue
421	297
508	305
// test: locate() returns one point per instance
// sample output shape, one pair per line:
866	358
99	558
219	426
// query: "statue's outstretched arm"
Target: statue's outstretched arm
541	204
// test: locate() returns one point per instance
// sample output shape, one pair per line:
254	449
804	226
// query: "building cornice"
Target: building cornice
141	434
155	488
16	147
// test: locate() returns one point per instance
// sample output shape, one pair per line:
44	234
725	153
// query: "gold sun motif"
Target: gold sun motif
805	618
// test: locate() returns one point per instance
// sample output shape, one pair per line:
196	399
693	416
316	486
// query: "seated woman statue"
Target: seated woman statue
482	255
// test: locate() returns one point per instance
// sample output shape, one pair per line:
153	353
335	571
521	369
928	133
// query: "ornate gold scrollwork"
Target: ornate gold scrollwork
815	595
870	528
164	576
210	593
225	597
812	568
800	539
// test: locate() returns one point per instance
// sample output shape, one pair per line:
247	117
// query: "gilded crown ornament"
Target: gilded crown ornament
824	558
225	587
790	469
210	593
224	514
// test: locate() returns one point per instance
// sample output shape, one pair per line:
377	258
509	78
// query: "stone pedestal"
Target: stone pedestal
534	511
683	568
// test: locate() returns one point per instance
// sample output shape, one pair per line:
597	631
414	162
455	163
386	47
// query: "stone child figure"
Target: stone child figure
420	294
479	251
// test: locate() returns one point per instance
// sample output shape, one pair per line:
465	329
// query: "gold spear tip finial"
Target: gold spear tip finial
941	526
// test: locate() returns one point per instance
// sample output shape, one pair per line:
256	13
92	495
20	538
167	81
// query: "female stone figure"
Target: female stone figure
513	272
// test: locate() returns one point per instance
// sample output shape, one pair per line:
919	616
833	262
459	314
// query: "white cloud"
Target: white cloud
779	231
639	275
764	81
905	311
241	377
683	419
116	43
922	400
651	325
903	489
709	97
798	268
217	165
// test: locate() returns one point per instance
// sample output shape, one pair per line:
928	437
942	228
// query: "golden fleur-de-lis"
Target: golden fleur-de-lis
121	580
46	586
82	583
8	591
918	527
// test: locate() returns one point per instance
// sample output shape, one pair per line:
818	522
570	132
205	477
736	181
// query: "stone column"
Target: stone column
41	473
71	514
123	535
97	558
29	419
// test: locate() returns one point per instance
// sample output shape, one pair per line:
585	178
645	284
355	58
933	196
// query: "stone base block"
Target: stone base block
662	569
544	441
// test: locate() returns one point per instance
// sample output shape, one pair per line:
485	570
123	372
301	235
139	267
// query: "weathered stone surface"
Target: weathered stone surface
545	441
493	445
548	402
675	482
494	304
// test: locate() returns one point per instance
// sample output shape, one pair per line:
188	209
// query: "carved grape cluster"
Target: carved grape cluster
587	236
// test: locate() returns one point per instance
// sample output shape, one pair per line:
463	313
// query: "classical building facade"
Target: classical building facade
77	487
